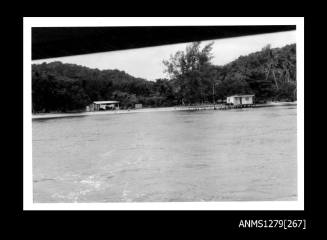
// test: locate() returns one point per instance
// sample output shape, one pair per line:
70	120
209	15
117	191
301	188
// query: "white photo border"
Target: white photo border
30	22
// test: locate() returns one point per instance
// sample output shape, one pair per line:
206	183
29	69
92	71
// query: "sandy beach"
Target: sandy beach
60	115
144	110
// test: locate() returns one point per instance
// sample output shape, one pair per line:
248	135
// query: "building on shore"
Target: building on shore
240	100
138	106
102	106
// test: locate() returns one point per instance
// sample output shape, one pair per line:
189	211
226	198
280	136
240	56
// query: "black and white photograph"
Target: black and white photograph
163	113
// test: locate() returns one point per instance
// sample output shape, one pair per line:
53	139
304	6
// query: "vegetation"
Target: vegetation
269	74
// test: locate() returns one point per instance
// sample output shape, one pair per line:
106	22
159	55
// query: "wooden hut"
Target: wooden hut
103	106
240	100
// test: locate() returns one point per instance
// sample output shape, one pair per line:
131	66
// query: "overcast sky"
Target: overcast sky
147	62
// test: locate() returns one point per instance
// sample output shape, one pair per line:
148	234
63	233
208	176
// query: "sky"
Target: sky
147	62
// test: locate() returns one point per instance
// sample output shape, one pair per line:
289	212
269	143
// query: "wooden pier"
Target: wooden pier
230	106
217	107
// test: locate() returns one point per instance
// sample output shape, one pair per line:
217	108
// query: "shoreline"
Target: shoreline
159	109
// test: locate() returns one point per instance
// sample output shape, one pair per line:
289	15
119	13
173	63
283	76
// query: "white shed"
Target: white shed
240	100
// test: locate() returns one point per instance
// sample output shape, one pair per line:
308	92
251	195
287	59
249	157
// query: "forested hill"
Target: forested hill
66	87
269	74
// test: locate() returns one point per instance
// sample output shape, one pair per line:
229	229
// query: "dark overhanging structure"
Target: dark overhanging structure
50	42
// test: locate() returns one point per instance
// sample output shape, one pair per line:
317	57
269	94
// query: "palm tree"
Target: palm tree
271	64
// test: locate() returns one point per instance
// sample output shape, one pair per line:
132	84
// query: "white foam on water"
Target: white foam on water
91	181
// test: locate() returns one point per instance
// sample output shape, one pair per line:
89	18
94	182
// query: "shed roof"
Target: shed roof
105	102
246	95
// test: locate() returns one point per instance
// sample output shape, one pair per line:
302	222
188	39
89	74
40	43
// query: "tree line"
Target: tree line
193	79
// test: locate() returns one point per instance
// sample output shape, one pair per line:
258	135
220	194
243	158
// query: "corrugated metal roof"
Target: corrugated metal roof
105	102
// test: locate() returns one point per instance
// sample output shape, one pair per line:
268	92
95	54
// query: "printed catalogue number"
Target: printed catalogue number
274	223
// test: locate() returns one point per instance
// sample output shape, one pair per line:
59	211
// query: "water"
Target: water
234	155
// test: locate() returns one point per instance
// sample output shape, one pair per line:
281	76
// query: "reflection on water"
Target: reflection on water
234	155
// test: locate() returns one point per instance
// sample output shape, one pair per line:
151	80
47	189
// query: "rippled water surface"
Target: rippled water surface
233	155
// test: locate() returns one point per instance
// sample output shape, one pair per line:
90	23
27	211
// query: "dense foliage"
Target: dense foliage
269	74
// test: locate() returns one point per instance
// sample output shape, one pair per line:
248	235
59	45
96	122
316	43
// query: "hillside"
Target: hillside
69	87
